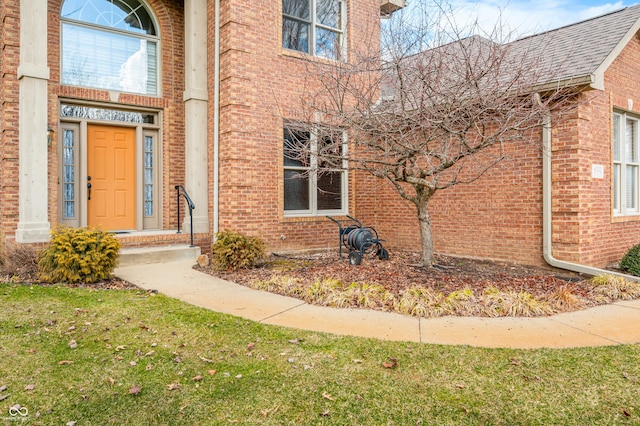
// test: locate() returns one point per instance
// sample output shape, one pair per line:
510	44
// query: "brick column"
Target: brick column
33	74
195	99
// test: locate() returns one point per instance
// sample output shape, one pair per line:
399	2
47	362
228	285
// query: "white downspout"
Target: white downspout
216	119
547	241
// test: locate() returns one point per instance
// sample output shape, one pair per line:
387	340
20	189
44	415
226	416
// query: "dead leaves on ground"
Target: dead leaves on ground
266	412
328	396
633	380
2	389
453	278
390	363
135	390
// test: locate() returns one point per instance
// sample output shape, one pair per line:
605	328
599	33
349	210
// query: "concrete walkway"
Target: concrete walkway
600	326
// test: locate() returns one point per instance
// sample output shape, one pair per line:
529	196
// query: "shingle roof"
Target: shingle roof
573	55
582	49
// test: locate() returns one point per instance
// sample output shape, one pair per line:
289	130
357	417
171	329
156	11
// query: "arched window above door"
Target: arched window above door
110	44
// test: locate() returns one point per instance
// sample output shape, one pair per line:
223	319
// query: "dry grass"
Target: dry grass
513	304
19	262
564	299
366	295
460	287
418	301
609	288
280	284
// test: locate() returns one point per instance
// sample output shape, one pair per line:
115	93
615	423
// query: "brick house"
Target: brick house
108	105
576	205
145	95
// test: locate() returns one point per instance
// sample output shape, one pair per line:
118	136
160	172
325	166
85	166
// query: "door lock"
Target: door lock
88	187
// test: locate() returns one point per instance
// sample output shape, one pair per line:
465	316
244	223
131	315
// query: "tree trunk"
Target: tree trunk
425	233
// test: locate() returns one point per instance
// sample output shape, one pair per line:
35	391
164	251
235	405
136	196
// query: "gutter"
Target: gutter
216	121
547	240
589	80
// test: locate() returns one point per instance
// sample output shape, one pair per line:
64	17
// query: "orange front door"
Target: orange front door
111	195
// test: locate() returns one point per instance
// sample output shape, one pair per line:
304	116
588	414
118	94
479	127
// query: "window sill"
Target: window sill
618	218
312	218
306	56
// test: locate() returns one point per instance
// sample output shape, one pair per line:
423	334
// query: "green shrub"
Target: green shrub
232	250
631	260
79	255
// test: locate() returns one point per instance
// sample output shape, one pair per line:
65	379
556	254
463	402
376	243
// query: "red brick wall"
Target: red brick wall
9	60
567	175
257	79
260	86
606	238
171	28
500	216
170	20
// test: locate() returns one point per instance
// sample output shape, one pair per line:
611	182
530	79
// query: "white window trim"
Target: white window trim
314	25
313	180
620	207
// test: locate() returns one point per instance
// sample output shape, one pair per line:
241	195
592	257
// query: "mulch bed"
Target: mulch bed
403	270
112	284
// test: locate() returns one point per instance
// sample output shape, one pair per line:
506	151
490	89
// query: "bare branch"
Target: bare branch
431	108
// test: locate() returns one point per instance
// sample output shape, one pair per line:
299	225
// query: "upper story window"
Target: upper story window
315	27
626	164
109	44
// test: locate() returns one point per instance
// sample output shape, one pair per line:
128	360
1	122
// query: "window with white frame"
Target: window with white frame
109	44
315	177
626	164
315	27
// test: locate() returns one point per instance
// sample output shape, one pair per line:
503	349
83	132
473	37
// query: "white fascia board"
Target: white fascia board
599	72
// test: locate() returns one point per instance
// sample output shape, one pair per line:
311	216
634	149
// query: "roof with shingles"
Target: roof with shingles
582	49
576	55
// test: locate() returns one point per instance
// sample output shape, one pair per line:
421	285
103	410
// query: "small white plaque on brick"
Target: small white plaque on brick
597	171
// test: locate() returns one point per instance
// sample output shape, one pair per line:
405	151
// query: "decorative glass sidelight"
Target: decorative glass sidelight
92	113
74	158
148	176
68	175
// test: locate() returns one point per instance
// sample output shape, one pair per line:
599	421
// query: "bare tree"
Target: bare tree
433	107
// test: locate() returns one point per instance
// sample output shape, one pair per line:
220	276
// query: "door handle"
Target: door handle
88	188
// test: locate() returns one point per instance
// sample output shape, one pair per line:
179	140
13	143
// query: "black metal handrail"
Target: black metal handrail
185	194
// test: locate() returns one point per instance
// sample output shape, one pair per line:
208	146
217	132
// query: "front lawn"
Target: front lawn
128	357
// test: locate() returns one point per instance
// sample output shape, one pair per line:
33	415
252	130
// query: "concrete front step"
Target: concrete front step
162	254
